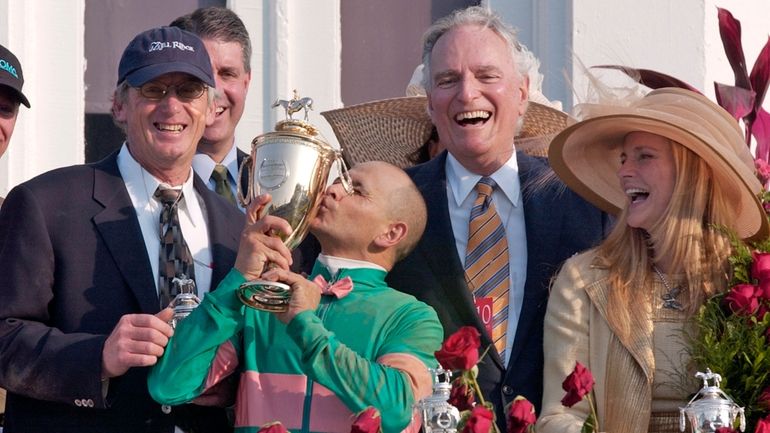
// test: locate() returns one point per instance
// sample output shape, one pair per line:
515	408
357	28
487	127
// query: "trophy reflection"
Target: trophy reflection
292	164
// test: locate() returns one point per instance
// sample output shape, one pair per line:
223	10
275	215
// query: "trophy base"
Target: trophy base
265	295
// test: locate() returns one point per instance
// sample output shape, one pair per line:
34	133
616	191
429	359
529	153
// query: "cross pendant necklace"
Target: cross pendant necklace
669	298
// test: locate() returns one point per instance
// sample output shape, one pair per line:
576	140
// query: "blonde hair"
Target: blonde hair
690	233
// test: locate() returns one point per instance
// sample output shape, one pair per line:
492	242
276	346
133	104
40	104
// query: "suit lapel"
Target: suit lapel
542	219
639	341
119	227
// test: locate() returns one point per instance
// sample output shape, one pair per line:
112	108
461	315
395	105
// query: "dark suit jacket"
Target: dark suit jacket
73	262
241	155
558	224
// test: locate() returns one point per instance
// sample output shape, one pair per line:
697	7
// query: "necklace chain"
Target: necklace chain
669	298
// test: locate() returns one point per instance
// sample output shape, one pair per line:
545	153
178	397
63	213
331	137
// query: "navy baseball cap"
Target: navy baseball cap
163	50
10	74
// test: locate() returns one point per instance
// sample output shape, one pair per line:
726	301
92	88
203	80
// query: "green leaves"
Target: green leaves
735	347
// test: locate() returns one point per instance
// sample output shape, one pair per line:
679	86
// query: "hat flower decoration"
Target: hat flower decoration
733	328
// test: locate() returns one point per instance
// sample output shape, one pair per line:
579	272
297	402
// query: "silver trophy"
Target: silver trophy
292	164
186	300
438	416
711	408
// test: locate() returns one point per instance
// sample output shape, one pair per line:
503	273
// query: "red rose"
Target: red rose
726	430
461	396
461	350
274	427
742	299
764	289
760	266
521	415
480	421
763	426
368	421
577	384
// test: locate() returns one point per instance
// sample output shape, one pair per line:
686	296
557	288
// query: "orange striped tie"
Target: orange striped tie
486	259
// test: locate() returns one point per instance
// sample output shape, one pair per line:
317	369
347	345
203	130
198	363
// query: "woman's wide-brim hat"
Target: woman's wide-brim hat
390	129
586	155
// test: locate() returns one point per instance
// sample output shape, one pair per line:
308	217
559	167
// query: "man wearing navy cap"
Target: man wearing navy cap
11	82
84	272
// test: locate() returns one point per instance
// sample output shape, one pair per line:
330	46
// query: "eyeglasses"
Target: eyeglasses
188	90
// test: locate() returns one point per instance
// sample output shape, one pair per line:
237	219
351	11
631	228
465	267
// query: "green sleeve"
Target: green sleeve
180	374
360	382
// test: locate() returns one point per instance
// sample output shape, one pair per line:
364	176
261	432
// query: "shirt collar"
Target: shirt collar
463	181
143	185
204	165
334	264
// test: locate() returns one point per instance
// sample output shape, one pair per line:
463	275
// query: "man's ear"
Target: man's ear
523	95
211	110
394	234
117	109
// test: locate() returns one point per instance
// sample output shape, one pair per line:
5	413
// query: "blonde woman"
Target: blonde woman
674	167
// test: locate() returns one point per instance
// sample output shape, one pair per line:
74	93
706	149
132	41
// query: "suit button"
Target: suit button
78	402
165	409
89	403
507	390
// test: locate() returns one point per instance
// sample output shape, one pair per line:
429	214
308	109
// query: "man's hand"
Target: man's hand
259	243
305	294
138	340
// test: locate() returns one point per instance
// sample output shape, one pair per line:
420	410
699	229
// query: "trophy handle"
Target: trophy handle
342	167
244	200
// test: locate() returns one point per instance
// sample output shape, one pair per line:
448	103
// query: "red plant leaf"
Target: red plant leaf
738	101
730	31
650	78
760	129
760	74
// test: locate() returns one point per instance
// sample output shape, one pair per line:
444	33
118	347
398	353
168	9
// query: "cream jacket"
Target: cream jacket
576	329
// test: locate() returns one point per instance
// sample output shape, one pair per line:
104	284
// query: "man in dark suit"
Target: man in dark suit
11	82
228	44
80	252
477	89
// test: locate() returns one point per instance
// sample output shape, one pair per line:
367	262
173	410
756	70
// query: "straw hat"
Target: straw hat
390	129
586	155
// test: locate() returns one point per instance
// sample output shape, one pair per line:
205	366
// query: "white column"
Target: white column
296	44
47	37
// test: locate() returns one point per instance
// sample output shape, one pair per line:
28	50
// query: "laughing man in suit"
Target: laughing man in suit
477	96
80	307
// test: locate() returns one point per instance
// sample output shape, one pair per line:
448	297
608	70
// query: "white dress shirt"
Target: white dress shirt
461	194
204	166
334	264
141	186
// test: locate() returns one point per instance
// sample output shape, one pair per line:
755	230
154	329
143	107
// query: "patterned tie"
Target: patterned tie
486	259
222	183
175	257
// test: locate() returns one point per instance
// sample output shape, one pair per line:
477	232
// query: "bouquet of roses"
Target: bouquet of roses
460	353
733	332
